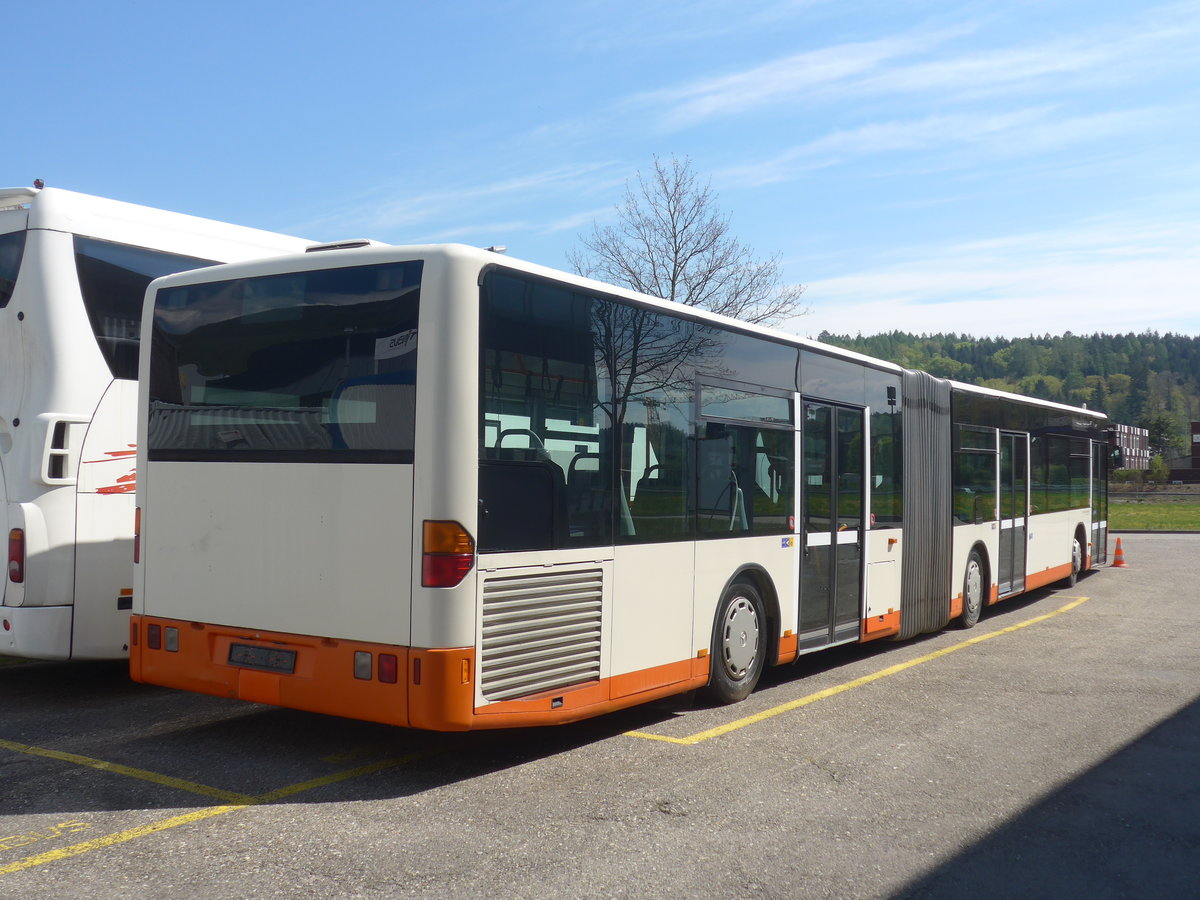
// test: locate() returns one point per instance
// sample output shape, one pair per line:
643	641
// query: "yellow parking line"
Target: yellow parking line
199	815
116	768
849	685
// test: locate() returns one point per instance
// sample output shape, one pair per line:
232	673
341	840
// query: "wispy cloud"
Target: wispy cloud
802	74
390	209
1101	276
1008	133
895	66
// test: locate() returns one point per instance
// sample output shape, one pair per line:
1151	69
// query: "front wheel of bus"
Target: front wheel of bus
739	647
972	593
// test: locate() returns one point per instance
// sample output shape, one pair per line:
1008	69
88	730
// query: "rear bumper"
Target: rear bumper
434	688
36	632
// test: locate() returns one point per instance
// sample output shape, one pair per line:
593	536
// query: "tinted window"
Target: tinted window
113	280
887	499
830	378
587	432
310	366
12	248
975	475
1058	478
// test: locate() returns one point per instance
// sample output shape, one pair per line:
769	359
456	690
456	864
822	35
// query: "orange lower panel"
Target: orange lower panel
1035	580
596	698
322	679
789	648
435	689
883	626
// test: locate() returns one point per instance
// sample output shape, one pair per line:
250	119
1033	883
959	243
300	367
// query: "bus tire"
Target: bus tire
739	644
974	586
1076	561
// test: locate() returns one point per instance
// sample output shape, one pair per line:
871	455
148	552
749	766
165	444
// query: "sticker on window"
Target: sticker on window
396	344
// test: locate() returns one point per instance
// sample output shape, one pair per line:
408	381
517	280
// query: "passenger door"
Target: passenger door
833	504
1014	507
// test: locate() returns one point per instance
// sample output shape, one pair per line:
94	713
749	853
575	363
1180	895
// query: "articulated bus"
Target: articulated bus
73	275
440	488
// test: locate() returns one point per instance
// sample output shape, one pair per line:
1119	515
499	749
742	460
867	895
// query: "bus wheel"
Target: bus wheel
1076	562
739	647
972	592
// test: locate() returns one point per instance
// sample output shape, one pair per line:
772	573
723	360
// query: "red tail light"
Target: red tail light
16	555
448	554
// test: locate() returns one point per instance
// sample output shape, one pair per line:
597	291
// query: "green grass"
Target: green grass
1154	515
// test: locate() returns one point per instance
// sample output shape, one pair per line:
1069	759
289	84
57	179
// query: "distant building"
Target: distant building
1134	444
1187	468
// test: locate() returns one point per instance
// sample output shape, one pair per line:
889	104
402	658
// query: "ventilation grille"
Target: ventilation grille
540	632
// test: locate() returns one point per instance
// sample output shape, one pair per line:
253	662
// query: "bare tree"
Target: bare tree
671	241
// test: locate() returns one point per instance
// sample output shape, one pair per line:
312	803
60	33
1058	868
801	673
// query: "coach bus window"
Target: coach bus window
310	367
113	280
12	248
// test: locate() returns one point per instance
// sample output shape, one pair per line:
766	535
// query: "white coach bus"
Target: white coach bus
441	488
73	273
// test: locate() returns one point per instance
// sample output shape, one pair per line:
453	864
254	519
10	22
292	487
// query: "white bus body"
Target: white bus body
73	269
563	499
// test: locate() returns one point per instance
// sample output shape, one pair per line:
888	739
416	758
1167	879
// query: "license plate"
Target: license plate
270	659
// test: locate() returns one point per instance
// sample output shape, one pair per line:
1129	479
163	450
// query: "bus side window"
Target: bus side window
522	505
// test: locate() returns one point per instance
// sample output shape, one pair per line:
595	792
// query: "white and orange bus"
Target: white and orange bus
437	487
73	275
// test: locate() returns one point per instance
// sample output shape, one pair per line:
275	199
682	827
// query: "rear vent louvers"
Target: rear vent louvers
540	632
56	464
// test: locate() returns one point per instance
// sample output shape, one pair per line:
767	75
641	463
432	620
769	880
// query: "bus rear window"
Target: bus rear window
113	280
313	366
12	248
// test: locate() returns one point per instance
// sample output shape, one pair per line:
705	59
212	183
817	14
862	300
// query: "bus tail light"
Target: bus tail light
447	554
137	535
16	555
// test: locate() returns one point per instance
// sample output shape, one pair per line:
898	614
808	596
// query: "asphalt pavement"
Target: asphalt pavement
1051	751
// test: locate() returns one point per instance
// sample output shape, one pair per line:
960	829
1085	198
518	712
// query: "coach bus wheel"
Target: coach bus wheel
972	593
1076	562
739	646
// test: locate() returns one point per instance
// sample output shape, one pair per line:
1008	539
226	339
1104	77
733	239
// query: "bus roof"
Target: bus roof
376	254
55	209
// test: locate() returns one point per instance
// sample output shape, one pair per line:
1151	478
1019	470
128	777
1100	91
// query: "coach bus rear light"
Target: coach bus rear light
137	535
389	668
171	639
448	554
16	555
154	637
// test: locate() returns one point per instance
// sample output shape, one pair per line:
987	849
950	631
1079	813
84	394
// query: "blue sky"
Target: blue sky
987	168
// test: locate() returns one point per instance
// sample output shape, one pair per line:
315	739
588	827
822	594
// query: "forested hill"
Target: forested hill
1144	379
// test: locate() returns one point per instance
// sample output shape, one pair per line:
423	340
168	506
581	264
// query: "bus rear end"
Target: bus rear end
277	548
73	275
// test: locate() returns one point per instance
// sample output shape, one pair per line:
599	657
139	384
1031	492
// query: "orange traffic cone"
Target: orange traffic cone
1119	557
